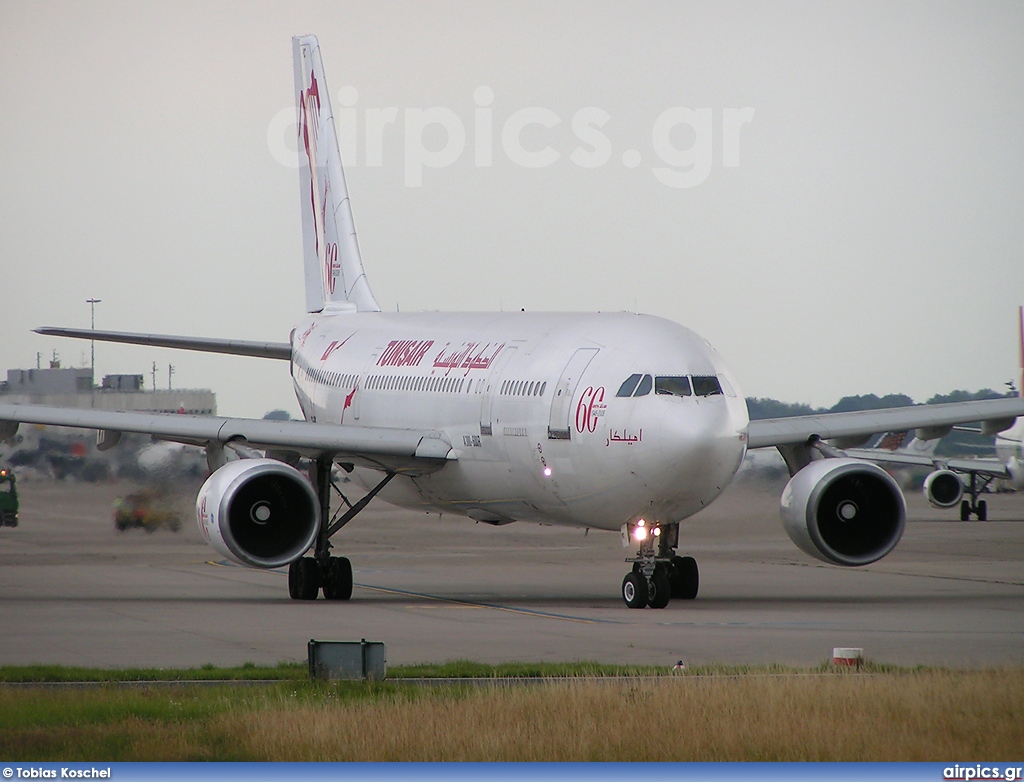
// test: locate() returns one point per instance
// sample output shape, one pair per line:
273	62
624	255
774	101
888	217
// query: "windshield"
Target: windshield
626	389
672	386
706	385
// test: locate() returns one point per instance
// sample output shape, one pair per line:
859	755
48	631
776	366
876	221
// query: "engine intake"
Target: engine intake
259	512
943	488
844	511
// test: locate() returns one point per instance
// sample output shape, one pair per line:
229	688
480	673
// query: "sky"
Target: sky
831	193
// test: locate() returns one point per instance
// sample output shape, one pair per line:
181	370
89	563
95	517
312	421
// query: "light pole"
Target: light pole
92	348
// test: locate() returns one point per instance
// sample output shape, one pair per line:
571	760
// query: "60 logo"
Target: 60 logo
590	407
331	265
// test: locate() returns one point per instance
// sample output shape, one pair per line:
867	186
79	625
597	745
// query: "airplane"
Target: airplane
945	485
615	421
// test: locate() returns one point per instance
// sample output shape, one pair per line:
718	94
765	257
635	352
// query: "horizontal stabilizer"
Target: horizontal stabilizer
234	347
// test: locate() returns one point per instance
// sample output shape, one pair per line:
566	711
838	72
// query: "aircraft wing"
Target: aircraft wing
993	467
235	347
392	449
795	430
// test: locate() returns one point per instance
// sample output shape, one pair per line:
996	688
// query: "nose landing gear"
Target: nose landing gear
658	575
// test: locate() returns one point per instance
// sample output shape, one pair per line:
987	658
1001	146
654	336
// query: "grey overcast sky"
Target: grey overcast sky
862	233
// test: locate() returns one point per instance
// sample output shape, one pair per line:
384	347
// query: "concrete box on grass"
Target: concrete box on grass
347	660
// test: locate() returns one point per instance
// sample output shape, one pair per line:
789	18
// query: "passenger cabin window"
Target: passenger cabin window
628	386
706	385
672	386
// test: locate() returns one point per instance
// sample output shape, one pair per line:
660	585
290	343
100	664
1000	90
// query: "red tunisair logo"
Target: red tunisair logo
309	136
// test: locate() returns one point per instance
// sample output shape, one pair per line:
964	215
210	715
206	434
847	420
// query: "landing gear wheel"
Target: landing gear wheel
304	579
685	578
660	588
338	579
983	511
634	590
965	511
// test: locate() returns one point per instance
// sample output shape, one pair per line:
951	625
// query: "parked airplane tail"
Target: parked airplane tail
333	267
1020	323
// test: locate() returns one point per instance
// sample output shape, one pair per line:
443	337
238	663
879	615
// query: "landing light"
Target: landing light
547	472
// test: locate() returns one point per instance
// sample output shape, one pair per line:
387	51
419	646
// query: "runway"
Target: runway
74	591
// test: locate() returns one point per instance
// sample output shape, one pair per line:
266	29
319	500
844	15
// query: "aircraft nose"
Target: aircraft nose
701	438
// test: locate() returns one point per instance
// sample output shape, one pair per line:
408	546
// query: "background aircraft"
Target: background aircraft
944	487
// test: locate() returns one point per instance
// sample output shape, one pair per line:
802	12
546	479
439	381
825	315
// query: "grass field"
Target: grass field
711	714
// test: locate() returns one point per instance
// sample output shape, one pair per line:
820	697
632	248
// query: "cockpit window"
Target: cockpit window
706	385
645	386
627	387
672	386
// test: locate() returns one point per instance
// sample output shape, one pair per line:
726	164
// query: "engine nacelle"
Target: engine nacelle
259	512
944	488
844	511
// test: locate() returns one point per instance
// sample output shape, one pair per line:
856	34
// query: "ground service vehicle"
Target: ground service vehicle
148	509
8	500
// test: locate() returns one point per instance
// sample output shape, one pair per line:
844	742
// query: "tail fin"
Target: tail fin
333	266
1020	316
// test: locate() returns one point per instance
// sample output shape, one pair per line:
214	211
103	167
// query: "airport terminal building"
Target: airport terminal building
73	387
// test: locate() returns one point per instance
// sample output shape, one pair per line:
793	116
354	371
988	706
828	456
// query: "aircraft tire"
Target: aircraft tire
661	593
634	590
982	511
338	582
685	578
304	579
965	511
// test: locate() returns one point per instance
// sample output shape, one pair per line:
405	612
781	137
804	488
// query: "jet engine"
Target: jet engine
844	511
259	512
943	488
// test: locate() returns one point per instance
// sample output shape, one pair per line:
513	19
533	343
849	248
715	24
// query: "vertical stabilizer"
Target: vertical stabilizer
333	266
1020	323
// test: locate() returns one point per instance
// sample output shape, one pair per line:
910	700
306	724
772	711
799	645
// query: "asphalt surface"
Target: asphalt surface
74	591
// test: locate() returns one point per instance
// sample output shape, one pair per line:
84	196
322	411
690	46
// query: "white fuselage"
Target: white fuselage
528	402
1010	450
1009	443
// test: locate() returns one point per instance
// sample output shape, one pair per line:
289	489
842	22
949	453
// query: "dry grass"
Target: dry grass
915	716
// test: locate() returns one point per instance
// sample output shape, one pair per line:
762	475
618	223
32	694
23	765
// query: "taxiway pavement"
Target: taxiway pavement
74	591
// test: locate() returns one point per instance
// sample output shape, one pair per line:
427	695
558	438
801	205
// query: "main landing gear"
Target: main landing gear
975	506
333	575
658	574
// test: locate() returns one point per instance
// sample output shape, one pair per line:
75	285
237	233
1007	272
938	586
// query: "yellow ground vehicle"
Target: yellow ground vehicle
149	509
